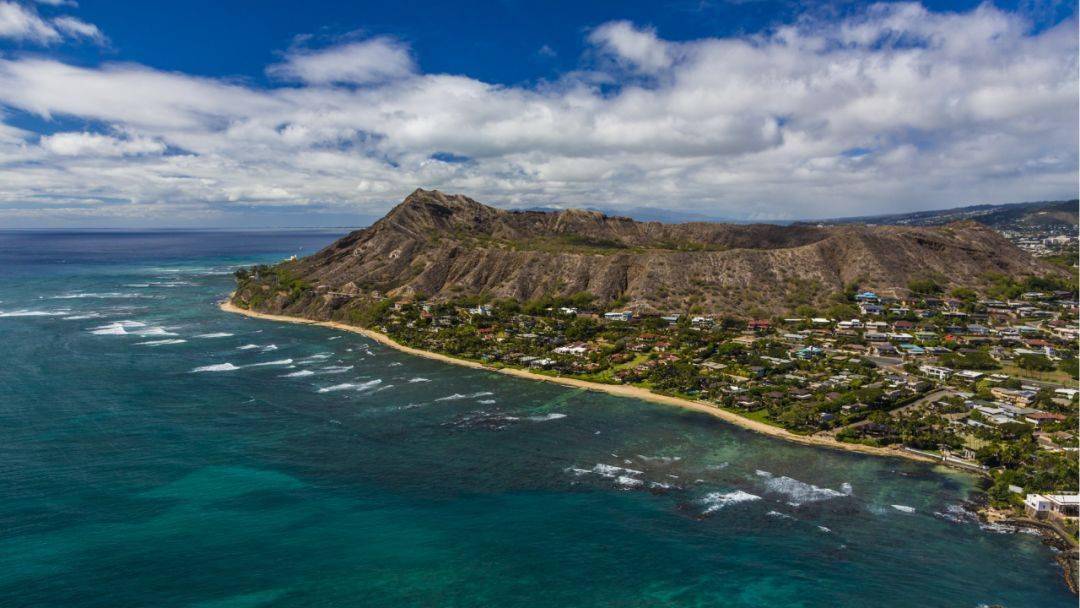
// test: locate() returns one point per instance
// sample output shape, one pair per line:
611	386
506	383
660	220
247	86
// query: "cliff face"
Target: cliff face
441	246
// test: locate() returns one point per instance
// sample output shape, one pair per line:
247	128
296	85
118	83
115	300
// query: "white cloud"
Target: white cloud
638	47
94	144
20	23
76	28
368	61
895	109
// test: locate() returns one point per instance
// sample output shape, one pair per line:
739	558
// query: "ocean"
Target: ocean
155	451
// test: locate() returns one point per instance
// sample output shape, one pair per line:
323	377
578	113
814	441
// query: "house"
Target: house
867	296
577	348
624	315
913	350
870	309
939	373
883	349
1020	396
809	352
1043	506
1041	418
758	325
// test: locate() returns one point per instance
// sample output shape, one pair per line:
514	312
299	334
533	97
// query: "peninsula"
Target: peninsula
943	343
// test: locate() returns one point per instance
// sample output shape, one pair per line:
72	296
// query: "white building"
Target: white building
1051	505
940	373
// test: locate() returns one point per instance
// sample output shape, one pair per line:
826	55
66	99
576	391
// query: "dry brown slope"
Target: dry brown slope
444	246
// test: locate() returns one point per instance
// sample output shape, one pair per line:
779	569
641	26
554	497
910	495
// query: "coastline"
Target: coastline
617	390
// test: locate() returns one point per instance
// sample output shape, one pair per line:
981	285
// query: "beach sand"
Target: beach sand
633	392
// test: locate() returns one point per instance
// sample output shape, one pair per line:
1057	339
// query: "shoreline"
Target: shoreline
617	390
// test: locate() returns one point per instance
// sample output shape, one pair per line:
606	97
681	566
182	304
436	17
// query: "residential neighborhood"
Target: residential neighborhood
988	385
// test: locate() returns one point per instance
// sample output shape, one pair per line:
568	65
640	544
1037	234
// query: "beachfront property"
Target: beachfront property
1045	506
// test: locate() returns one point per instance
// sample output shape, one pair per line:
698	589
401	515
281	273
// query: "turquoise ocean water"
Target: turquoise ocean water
155	451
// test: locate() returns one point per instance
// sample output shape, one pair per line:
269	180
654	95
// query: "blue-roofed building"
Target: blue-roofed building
912	349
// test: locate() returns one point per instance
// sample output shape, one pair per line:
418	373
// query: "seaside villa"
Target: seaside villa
1043	506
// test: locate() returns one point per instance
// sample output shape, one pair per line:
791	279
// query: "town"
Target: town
987	385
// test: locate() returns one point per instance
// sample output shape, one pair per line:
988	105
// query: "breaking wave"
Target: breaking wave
33	313
219	367
102	296
799	492
278	362
118	328
300	374
350	386
546	417
219	334
714	501
459	396
162	342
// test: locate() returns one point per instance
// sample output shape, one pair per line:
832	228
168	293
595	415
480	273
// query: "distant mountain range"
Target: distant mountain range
1059	214
441	246
1042	214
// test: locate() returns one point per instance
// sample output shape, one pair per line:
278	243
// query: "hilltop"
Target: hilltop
440	246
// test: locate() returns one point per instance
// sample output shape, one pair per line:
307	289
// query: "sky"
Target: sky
229	114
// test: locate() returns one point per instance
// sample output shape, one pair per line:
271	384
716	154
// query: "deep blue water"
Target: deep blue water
311	468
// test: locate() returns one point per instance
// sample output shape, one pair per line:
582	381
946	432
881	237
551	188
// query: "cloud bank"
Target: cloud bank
897	108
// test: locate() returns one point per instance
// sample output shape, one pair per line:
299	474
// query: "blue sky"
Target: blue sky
222	114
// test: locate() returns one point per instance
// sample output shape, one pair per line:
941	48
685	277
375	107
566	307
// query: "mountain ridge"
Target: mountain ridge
443	247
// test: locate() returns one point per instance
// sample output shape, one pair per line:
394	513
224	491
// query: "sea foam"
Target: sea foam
219	367
714	501
546	417
459	396
33	313
799	492
265	363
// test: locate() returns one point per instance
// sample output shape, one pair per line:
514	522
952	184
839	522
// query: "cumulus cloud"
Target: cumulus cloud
897	108
364	62
639	48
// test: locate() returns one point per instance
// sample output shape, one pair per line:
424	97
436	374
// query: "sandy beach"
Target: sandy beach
633	392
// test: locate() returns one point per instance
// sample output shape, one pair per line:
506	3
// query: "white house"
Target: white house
1042	506
940	373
